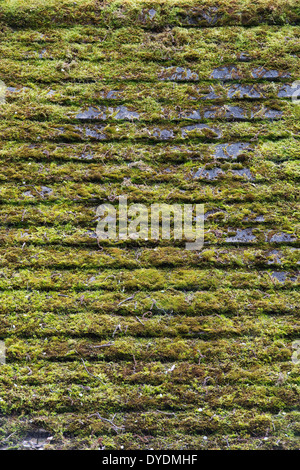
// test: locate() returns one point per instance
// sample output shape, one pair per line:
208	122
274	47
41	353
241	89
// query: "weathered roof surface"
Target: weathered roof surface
149	345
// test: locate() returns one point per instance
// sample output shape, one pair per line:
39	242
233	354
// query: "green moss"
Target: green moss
144	344
191	279
119	13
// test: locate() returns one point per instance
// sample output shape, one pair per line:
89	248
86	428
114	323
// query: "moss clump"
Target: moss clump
142	344
159	15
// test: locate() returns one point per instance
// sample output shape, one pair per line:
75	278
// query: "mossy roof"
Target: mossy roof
146	345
